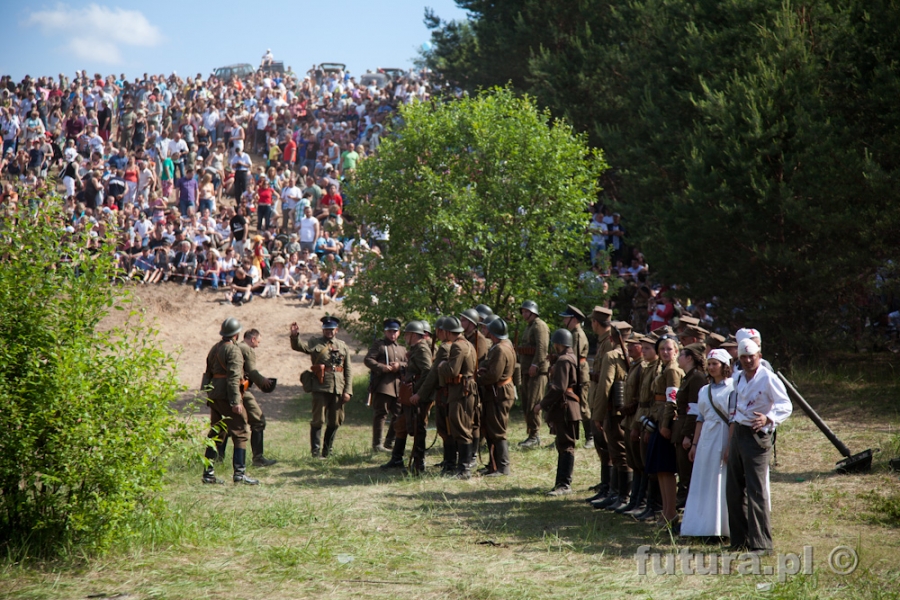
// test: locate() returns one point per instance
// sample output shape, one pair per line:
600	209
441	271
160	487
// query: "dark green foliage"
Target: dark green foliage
753	144
87	427
485	199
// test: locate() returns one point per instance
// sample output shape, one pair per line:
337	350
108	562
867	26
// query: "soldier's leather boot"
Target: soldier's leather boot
465	460
637	486
613	496
640	504
588	434
256	445
330	432
451	454
209	473
391	434
315	440
501	459
626	478
532	441
654	502
377	437
601	490
239	463
565	466
220	450
397	451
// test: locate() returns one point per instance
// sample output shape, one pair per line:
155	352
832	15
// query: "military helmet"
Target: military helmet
562	336
453	325
484	311
426	327
472	315
414	327
530	305
498	328
230	327
441	323
488	319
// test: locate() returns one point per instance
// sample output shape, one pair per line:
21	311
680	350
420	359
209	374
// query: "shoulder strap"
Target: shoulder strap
716	408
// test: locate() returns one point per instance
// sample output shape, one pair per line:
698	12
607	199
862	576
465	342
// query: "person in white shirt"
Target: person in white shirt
290	196
309	230
760	404
241	164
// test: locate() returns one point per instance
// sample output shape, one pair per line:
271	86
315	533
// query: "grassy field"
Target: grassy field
344	528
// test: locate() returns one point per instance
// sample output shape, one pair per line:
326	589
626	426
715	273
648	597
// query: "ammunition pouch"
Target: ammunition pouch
617	395
406	392
319	372
306	380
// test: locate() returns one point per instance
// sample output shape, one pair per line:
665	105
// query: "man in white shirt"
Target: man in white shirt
241	164
309	230
598	231
761	404
261	120
290	196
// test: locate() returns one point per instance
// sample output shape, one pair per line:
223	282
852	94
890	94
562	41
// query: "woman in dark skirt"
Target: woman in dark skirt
661	452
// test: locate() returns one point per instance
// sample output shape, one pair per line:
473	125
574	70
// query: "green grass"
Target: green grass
345	528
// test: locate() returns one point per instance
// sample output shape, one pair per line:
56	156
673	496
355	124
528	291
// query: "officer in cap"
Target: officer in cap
332	382
386	360
222	381
563	408
433	392
496	381
535	363
411	419
572	320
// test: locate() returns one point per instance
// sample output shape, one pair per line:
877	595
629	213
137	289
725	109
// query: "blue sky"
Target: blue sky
189	37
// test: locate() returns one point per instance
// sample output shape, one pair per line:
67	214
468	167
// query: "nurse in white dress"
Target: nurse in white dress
706	513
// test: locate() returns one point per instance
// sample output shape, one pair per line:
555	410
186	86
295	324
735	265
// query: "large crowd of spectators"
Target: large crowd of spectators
232	185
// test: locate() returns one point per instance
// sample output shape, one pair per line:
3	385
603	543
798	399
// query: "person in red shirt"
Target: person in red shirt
330	204
290	153
264	204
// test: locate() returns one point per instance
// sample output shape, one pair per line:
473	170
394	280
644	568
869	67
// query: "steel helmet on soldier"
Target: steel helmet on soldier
472	315
498	328
484	311
530	305
453	325
441	323
230	327
426	327
562	337
414	327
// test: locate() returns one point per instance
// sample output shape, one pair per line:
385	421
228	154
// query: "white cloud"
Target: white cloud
95	32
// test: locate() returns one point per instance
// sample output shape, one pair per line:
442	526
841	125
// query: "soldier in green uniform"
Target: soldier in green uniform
535	364
572	320
386	360
222	381
433	391
255	417
630	411
611	389
563	410
642	427
458	371
601	324
496	381
413	418
332	382
470	320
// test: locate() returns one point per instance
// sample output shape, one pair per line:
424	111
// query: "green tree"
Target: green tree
485	200
86	412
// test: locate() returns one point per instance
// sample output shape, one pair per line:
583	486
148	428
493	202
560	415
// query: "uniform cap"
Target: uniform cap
601	313
572	311
714	340
391	324
329	322
688	320
635	338
622	326
693	331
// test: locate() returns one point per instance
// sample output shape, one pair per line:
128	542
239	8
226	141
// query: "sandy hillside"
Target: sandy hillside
189	324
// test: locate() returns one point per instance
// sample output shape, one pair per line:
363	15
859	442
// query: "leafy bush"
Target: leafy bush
85	413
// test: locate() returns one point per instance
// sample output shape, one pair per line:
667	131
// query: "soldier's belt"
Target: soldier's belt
458	380
221	376
506	381
334	369
659	397
525	351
